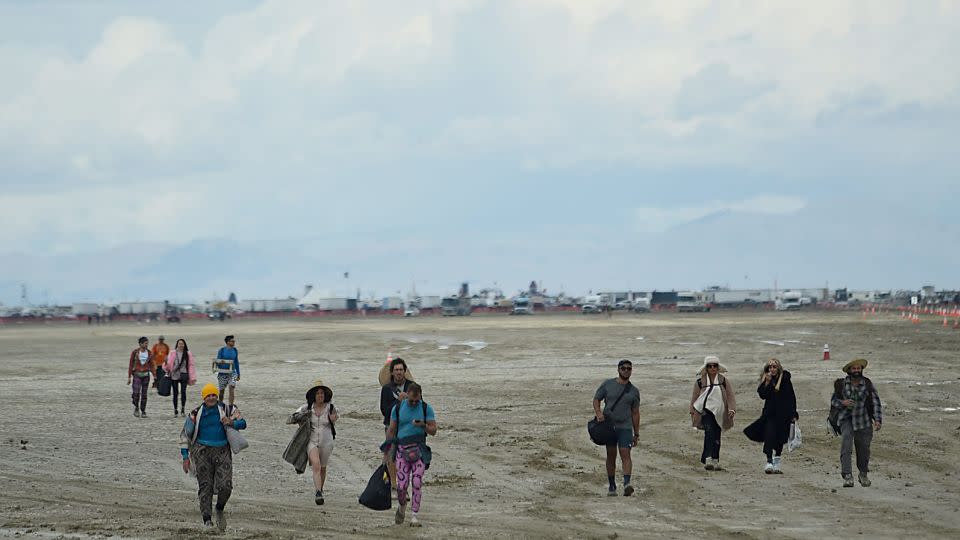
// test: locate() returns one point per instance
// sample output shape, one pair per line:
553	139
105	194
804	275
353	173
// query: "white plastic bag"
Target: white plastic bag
796	438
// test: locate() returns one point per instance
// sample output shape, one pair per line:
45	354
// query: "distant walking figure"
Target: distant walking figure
712	403
227	367
182	369
138	376
779	411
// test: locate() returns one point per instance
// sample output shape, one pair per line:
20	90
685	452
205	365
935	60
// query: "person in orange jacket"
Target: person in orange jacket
160	352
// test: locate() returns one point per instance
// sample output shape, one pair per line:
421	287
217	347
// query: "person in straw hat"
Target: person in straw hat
779	411
395	380
861	413
313	441
712	408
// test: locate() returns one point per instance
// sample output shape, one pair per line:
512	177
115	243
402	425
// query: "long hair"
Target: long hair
186	350
766	366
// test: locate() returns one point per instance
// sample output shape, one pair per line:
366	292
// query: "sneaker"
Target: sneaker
143	414
175	413
612	492
398	518
864	481
848	481
136	412
627	490
708	464
183	414
207	522
414	522
221	520
776	465
768	468
716	465
318	498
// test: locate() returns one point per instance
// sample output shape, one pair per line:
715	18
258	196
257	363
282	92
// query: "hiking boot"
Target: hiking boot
768	468
864	481
848	481
136	412
221	521
612	492
627	490
398	518
708	464
414	522
776	465
319	497
143	414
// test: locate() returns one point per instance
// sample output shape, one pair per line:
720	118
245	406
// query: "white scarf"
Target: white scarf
712	400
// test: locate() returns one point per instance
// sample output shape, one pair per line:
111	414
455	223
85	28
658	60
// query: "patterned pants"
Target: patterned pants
214	466
141	386
409	473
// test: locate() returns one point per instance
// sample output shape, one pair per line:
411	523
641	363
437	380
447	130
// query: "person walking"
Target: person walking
205	449
139	370
160	352
621	402
316	435
411	420
227	367
712	403
395	379
861	413
182	369
779	411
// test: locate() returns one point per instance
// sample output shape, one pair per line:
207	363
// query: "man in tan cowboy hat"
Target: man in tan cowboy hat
860	415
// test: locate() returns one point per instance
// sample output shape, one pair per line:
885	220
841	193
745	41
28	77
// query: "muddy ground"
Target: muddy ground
512	458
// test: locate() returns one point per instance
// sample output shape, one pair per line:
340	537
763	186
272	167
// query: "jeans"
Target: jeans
140	385
711	436
850	439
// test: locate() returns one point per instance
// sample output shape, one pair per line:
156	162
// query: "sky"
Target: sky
185	150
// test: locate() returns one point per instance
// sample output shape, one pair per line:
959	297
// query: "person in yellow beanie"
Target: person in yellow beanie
203	441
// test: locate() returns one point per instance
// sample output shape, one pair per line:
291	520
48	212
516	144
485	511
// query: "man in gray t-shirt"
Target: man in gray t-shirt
626	422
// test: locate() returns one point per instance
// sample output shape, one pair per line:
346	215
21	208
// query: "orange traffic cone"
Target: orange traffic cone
944	322
826	351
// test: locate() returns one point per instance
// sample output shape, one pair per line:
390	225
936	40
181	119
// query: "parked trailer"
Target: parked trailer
85	309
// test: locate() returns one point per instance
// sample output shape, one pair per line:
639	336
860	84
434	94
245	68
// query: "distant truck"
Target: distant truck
457	306
641	305
522	306
789	301
692	301
592	304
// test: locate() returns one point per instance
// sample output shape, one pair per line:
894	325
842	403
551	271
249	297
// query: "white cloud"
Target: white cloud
658	220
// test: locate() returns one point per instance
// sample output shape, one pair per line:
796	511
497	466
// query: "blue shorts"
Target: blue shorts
624	437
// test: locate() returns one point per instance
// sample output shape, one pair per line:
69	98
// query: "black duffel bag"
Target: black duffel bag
603	433
163	385
377	494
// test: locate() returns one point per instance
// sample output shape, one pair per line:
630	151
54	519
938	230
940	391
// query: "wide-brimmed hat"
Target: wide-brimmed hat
384	375
862	362
712	360
317	384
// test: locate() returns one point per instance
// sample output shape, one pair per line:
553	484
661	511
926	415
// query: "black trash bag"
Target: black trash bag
163	385
377	494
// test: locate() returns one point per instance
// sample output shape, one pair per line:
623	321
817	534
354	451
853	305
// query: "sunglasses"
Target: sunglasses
713	365
626	368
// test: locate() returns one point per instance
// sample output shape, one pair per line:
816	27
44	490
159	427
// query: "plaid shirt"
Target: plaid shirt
859	414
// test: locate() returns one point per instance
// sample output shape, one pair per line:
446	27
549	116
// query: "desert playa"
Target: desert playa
512	458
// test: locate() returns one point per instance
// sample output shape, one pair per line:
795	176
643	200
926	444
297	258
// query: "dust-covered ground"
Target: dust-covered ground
512	458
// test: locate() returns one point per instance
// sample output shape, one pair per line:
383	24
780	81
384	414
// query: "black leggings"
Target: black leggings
771	442
181	388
